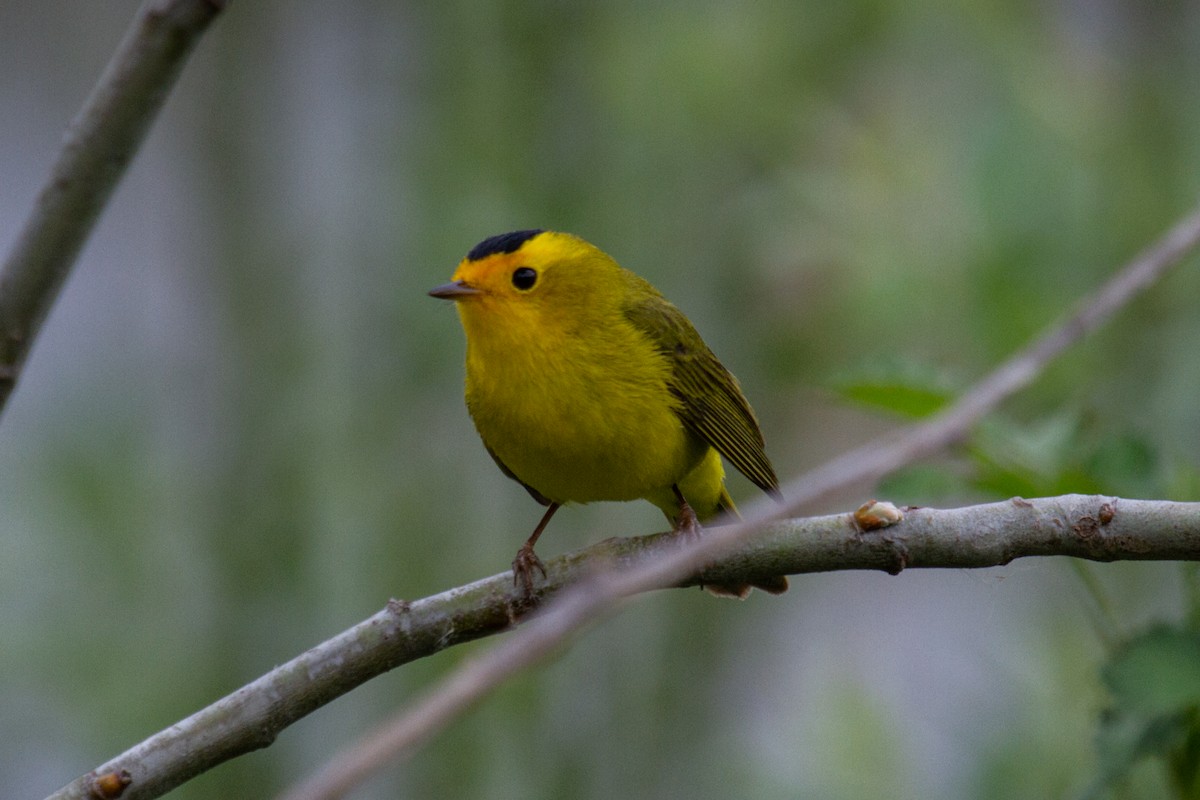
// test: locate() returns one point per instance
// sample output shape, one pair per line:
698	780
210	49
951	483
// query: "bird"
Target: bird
586	384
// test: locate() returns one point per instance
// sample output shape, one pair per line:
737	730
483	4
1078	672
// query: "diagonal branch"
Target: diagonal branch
97	147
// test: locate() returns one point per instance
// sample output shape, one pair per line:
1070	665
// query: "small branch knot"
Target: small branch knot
899	554
110	785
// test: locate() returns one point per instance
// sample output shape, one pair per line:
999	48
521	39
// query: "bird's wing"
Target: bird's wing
711	403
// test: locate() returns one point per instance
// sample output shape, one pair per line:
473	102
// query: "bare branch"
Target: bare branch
97	147
1098	528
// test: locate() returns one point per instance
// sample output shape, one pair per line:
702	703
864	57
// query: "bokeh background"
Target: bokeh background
242	430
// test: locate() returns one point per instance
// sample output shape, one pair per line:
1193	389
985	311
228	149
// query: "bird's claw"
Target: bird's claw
523	566
688	524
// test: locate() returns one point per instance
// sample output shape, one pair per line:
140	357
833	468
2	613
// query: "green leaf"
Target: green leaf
1017	460
908	389
1155	682
905	400
1156	673
1124	739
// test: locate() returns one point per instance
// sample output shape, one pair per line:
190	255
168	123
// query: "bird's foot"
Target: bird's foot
688	524
523	567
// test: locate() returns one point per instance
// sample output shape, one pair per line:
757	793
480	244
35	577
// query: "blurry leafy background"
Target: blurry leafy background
242	428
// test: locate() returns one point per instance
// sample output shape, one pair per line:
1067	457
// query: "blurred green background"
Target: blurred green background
242	428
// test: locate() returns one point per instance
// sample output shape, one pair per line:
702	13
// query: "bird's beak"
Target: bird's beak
453	290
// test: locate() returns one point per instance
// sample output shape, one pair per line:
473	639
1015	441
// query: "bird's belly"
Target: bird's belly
576	446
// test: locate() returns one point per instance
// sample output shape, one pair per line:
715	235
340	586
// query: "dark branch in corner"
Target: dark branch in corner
97	147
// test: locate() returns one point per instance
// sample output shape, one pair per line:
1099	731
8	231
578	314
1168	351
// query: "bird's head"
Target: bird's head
543	280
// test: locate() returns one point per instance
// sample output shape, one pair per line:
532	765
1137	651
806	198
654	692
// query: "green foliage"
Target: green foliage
1062	453
1156	673
908	389
1065	452
1155	713
1069	451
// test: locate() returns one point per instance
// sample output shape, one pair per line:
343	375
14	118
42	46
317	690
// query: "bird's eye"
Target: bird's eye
524	278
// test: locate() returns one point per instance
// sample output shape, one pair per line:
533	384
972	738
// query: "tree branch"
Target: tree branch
97	147
1096	528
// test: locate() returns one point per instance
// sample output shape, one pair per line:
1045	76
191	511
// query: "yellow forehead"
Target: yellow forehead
486	269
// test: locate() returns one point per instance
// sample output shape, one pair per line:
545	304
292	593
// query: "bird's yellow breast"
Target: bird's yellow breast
576	406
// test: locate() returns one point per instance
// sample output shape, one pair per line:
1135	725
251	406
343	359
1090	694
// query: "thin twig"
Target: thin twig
97	147
578	605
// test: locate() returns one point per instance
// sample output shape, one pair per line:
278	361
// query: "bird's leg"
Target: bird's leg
688	524
527	561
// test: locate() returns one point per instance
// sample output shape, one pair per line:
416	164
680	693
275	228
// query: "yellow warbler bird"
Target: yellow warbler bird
586	384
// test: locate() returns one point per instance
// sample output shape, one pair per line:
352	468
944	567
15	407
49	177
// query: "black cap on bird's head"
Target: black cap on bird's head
502	243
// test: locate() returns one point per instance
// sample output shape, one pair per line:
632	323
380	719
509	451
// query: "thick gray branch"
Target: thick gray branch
96	149
1084	526
1098	528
